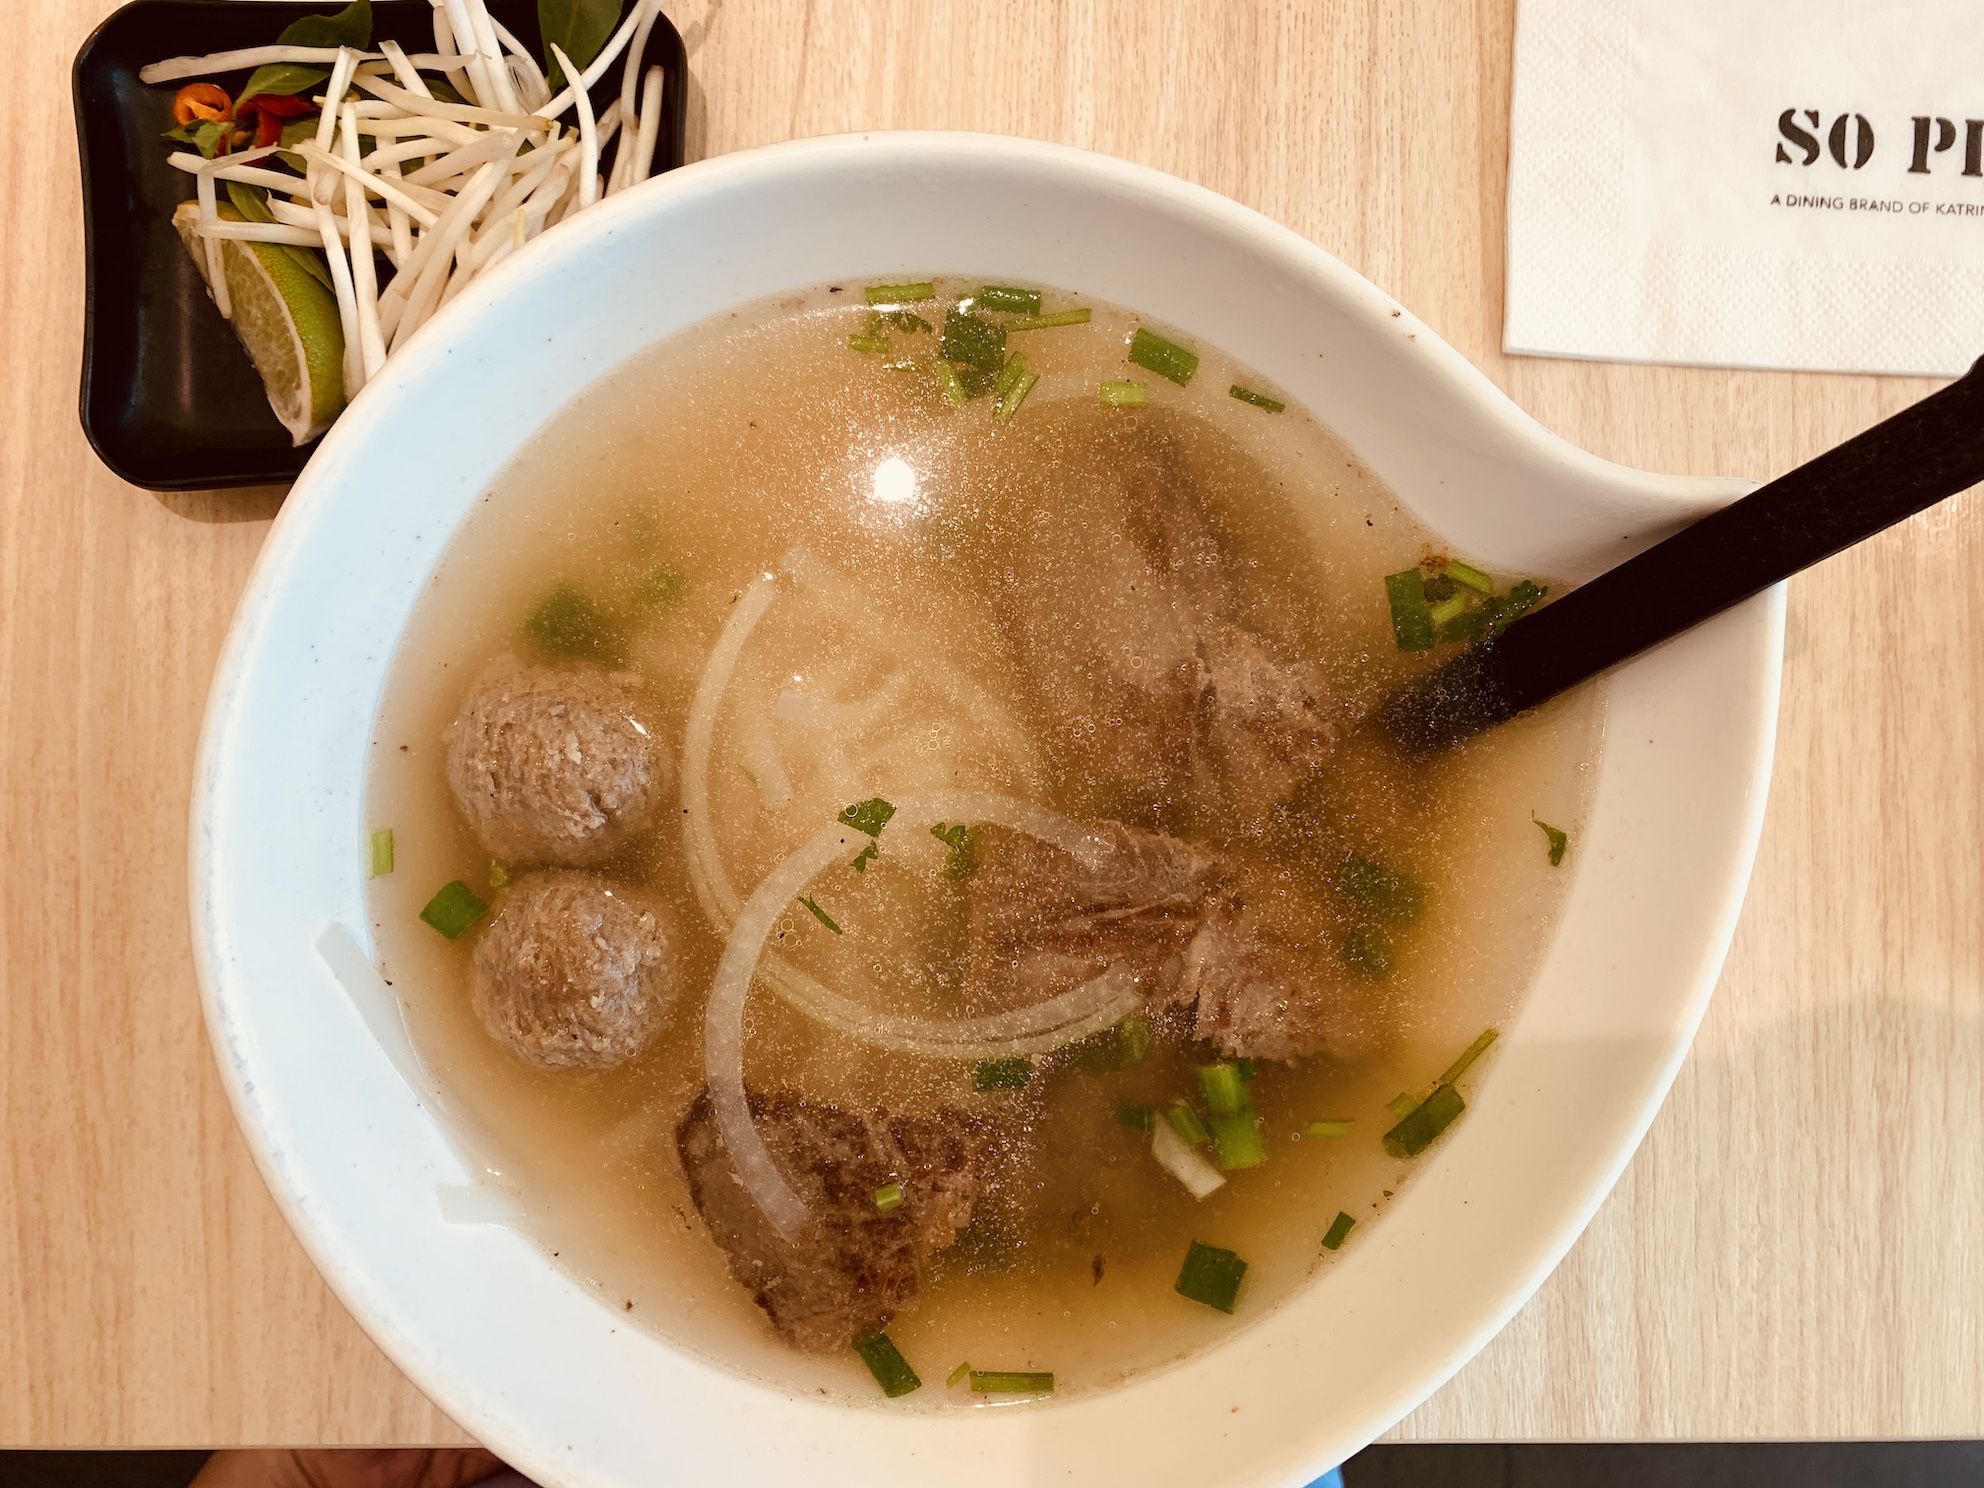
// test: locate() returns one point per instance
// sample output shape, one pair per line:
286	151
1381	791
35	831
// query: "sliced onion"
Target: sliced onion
1186	1164
723	1018
1049	1025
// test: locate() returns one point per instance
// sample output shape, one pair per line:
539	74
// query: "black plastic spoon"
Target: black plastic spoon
1925	453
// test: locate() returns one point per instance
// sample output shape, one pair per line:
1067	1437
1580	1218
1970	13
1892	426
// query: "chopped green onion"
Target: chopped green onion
1010	400
889	1196
1136	1118
1185	1121
1474	1051
1465	624
1521	598
1211	1275
499	876
1417	1130
1445	612
1124	395
1402	1104
1134	1035
957	1375
1559	842
1339	1231
954	388
1248	1069
890	1368
1412	622
1003	297
822	916
1237	1140
868	816
1166	358
866	856
1368	951
973	342
454	909
1011	1382
1393	897
382	852
570	625
873	345
899	294
1049	322
1009	374
1328	1128
1224	1090
1010	1073
961	864
1259	400
1468	574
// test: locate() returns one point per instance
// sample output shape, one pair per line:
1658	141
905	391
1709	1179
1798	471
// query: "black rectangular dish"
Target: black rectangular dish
170	400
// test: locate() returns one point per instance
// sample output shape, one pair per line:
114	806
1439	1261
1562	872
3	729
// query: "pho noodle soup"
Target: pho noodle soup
875	838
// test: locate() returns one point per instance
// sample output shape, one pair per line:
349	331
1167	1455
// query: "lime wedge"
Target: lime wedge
287	321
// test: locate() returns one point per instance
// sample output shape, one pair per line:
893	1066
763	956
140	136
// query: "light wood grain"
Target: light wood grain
1798	1250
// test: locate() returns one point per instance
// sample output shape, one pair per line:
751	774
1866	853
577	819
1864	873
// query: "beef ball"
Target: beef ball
554	766
575	971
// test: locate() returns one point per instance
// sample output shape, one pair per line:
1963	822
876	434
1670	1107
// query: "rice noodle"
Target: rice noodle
723	1018
1086	1009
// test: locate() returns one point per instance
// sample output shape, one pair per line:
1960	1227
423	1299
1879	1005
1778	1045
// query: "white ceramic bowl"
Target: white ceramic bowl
524	1357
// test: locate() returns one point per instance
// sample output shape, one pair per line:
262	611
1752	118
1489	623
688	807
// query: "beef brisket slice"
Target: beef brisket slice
853	1267
1042	921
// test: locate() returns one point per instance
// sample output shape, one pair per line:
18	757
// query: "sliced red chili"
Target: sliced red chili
197	102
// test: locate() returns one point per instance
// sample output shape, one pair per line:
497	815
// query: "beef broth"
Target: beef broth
792	582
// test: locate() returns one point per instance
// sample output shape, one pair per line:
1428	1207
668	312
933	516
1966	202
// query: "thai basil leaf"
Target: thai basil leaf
281	79
581	27
350	27
204	136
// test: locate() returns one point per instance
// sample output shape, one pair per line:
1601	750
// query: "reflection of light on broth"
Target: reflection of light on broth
894	483
728	475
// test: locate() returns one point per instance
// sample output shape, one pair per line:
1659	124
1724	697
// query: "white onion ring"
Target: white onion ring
723	1018
1045	1026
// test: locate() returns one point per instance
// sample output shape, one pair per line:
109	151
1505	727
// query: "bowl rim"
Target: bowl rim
1751	635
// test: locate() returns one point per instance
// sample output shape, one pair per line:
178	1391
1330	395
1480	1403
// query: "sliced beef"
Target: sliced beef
1262	996
854	1267
1042	921
1164	705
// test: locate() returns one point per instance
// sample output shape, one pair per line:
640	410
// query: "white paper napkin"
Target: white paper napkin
1749	183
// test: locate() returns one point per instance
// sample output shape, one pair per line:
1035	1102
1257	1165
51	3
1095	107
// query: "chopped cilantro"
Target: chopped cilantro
1559	841
822	916
899	294
568	624
971	342
1393	897
868	816
962	862
1259	400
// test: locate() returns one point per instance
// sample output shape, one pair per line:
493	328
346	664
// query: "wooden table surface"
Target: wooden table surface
1797	1250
